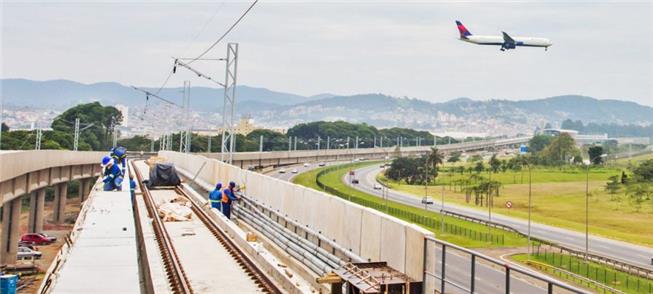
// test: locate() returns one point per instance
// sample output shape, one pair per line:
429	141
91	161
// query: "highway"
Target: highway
633	254
489	279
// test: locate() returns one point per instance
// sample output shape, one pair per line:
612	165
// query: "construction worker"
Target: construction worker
132	186
228	196
215	197
119	155
112	175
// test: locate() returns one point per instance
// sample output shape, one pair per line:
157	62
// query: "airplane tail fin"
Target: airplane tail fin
464	33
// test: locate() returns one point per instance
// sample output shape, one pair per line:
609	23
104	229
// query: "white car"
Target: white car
377	186
307	164
321	164
294	171
27	253
427	200
282	171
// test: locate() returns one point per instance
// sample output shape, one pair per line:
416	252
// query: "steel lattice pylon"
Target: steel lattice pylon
185	134
76	140
229	105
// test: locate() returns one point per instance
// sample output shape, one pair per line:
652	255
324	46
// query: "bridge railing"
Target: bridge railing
436	272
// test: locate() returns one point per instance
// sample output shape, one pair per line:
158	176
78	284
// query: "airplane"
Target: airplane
506	42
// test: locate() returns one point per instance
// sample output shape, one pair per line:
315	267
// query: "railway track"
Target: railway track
177	279
175	272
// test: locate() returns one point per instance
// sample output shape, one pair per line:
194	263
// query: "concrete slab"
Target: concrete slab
352	228
371	235
393	243
104	258
414	264
208	266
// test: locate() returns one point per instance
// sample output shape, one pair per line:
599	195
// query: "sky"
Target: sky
400	48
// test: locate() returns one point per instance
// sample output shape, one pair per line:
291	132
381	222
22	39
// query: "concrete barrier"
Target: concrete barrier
22	172
366	232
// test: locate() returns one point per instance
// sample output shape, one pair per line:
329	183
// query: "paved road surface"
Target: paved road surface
630	253
488	279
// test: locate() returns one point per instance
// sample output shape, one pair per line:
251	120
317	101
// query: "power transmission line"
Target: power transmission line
225	33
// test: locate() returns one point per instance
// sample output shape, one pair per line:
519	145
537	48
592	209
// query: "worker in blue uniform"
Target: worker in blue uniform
132	187
228	196
215	197
112	175
119	155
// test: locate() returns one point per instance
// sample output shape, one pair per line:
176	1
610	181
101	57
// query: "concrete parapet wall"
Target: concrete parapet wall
274	158
366	232
24	171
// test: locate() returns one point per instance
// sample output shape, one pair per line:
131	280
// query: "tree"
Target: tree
495	163
639	192
595	153
455	157
613	187
479	167
434	158
272	141
644	171
475	158
102	120
136	143
539	142
4	128
560	149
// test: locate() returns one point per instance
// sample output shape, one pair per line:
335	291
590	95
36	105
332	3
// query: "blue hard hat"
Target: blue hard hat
232	184
106	160
218	186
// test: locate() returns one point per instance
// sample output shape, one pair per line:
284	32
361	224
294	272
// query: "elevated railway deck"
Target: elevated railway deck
199	256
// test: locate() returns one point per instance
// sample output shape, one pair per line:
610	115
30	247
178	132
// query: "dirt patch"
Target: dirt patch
33	281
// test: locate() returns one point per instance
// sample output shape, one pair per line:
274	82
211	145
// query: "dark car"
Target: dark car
37	239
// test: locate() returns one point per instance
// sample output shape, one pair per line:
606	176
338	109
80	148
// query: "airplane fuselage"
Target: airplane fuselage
498	40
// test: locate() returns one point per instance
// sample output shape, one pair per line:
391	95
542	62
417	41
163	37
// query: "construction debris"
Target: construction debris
370	277
174	212
251	237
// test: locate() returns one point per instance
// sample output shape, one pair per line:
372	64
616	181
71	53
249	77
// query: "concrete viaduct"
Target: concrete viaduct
28	174
277	158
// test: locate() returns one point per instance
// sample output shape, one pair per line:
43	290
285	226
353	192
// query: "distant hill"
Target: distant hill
61	94
463	114
268	107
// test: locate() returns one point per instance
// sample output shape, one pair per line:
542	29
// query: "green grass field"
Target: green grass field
538	174
619	280
561	202
334	180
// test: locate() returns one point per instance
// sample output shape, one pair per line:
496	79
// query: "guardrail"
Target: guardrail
608	261
510	272
611	262
425	221
583	280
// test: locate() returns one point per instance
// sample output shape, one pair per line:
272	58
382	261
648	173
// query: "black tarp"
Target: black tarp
163	174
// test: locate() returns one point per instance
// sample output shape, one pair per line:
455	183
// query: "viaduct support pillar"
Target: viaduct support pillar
10	223
60	195
85	189
36	206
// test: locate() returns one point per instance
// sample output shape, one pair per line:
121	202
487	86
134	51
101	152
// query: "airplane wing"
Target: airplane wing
508	39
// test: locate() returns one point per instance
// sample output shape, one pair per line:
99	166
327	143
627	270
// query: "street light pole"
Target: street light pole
587	204
529	210
442	212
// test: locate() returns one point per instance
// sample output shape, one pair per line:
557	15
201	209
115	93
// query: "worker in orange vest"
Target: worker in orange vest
228	196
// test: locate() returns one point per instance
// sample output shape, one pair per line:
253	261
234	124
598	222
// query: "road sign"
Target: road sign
508	204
